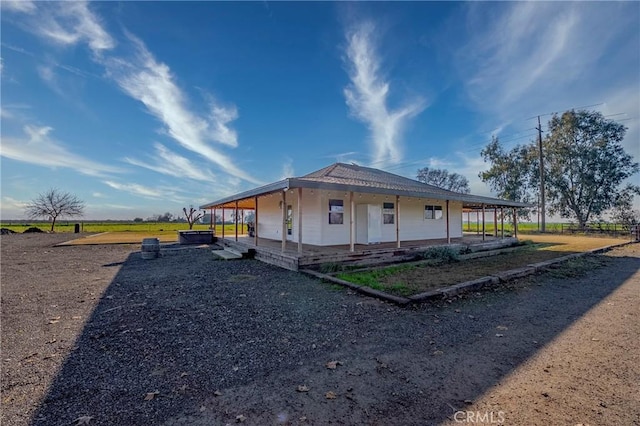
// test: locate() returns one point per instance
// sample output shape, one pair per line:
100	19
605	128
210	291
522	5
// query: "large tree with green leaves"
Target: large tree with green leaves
511	173
585	167
585	164
444	179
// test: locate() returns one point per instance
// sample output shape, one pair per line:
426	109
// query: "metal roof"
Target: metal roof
351	177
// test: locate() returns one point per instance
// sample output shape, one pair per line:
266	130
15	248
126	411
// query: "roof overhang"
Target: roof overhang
246	199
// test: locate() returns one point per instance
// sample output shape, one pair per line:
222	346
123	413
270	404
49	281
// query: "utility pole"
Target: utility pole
542	203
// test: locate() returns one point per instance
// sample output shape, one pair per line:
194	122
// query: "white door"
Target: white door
374	223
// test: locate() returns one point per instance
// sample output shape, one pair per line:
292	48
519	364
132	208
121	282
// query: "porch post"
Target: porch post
398	221
222	223
242	221
255	222
211	226
213	219
352	222
284	220
477	222
236	215
502	222
515	223
483	224
495	222
300	220
448	234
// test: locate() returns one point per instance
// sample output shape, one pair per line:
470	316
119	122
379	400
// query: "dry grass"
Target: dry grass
569	243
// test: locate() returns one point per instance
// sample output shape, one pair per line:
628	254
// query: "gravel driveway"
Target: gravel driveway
97	335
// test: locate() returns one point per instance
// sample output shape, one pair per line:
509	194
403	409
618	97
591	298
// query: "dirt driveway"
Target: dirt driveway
97	335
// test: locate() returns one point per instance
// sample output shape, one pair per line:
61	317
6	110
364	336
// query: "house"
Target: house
347	204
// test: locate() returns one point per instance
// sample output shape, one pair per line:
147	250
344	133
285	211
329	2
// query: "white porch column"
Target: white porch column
284	220
255	222
448	233
236	216
397	221
483	223
300	220
352	222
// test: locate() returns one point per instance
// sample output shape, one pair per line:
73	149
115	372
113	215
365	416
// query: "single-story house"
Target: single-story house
347	204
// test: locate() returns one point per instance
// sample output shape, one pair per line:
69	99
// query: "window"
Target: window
388	213
433	212
336	212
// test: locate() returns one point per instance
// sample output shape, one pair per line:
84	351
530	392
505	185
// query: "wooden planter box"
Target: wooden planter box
195	237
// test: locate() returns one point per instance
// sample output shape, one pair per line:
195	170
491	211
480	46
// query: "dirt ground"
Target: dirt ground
97	335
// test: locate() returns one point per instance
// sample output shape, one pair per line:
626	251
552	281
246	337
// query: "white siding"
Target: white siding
315	217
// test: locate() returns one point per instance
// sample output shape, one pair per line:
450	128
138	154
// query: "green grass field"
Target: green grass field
98	227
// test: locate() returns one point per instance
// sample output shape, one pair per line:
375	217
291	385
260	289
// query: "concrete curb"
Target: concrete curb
504	276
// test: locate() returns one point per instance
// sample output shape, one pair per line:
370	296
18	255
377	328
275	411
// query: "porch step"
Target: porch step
226	254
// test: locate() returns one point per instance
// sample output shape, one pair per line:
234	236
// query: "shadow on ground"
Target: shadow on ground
185	339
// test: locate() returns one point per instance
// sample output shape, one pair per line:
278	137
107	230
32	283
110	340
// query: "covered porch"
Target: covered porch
313	256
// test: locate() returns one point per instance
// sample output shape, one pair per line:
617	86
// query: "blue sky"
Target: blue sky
145	107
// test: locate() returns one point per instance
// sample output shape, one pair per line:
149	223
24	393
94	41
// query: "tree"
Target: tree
192	215
443	179
53	204
512	174
623	211
584	161
585	164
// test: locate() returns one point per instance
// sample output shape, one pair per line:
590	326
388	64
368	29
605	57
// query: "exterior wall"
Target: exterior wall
315	217
270	216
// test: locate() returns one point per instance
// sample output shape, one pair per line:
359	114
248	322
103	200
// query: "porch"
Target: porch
313	256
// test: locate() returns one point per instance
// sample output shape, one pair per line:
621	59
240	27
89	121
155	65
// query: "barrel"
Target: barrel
150	248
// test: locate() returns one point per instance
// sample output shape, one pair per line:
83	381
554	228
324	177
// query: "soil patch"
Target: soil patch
410	279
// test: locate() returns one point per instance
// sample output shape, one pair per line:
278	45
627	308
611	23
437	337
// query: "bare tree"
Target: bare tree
192	215
54	204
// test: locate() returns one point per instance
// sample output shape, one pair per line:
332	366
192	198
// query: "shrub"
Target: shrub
441	254
32	230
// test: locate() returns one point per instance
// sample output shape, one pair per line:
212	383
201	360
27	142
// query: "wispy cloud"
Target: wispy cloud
151	82
73	23
287	169
39	148
529	58
143	78
169	163
136	189
367	96
23	6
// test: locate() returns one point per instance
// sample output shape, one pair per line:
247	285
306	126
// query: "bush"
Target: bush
441	254
32	230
